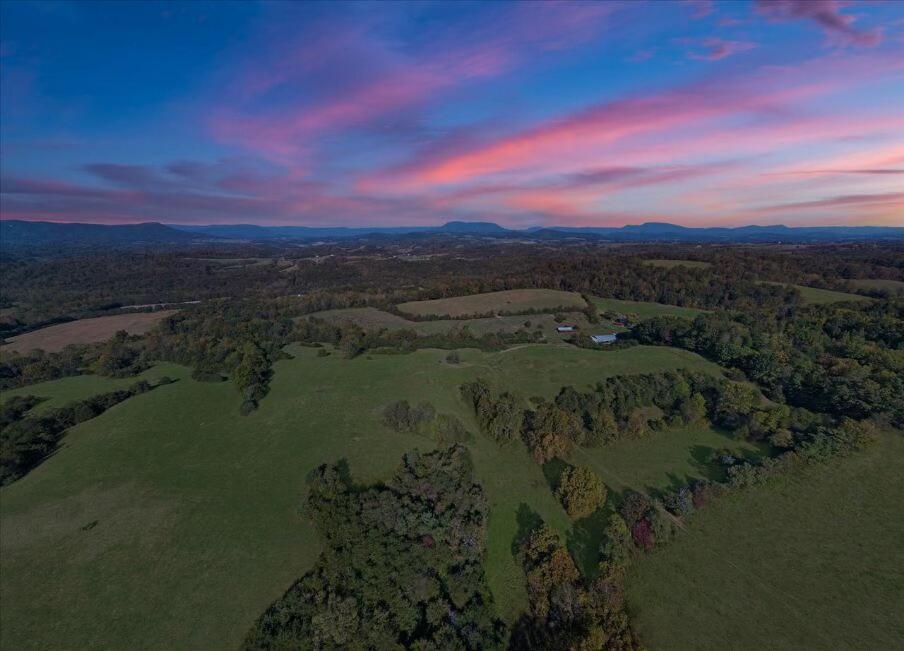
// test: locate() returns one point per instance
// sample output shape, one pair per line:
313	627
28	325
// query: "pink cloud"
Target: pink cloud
715	49
391	82
758	111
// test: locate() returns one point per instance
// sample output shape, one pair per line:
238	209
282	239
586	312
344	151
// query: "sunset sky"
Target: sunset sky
323	114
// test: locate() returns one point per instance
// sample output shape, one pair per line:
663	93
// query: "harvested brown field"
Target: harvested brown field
84	331
511	301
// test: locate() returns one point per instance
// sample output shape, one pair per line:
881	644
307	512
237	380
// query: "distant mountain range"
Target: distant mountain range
16	235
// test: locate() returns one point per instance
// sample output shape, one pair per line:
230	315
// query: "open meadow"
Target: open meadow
84	331
182	492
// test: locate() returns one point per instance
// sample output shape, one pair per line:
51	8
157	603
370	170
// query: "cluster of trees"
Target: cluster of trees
353	340
413	575
39	366
241	339
568	611
499	415
836	359
121	356
402	417
618	407
26	440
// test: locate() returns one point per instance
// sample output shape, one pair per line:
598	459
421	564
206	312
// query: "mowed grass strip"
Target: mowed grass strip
815	296
878	283
812	561
171	522
514	301
644	309
84	331
671	264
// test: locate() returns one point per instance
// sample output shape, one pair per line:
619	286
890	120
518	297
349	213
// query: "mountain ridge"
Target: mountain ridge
23	235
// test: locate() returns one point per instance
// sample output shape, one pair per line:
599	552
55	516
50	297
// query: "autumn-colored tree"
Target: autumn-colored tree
549	433
581	492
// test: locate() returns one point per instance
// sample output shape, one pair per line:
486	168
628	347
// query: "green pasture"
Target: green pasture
170	521
811	561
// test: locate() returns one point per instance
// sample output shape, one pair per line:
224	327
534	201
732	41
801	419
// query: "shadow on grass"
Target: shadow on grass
527	520
552	471
584	541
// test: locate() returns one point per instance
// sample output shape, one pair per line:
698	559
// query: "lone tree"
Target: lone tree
581	492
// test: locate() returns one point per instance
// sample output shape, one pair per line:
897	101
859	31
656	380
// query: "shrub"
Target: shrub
642	534
581	492
634	507
400	416
450	430
681	502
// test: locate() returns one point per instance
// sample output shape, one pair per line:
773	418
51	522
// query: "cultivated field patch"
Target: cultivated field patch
512	301
84	331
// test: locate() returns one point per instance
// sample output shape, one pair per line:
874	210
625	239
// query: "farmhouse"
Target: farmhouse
566	328
604	339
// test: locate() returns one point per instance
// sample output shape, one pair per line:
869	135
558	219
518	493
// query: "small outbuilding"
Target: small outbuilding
566	328
604	339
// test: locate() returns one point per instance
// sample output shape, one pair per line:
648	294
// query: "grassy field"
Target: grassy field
644	310
515	300
84	331
369	317
198	527
885	285
813	561
671	264
664	459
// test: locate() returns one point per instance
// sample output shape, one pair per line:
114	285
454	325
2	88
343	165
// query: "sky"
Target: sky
700	113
